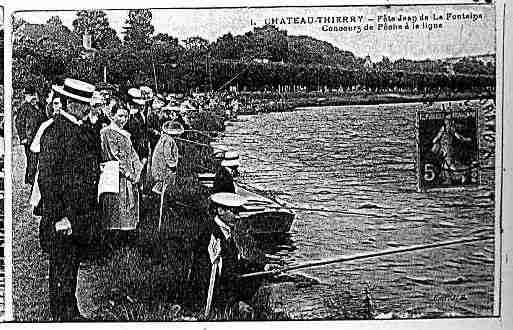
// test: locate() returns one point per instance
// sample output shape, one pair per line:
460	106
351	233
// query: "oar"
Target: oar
367	255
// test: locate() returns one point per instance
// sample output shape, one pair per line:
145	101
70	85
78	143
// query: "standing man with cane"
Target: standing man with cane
164	161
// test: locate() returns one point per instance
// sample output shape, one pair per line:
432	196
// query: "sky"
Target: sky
456	37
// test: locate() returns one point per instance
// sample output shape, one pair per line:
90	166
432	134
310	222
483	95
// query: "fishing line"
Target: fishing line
204	133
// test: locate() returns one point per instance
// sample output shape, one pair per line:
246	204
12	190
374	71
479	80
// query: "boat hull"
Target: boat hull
268	222
262	215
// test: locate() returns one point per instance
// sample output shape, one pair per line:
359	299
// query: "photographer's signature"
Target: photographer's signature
449	297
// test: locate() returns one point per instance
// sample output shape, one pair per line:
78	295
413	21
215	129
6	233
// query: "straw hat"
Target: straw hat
219	151
97	98
158	102
136	96
171	108
146	92
231	158
76	90
228	199
172	128
207	179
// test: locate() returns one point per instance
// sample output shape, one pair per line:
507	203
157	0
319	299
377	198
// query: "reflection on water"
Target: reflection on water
361	160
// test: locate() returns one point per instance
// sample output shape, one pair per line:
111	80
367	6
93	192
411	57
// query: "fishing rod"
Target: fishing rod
238	74
263	192
217	148
193	142
367	255
200	144
198	131
202	133
235	77
345	211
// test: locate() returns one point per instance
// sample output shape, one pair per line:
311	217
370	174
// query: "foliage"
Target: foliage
472	66
265	58
17	23
228	47
138	29
54	20
96	23
268	43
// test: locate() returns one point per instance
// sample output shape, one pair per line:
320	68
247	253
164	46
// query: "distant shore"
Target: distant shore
274	102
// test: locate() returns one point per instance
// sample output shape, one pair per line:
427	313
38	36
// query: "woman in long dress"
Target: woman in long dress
122	166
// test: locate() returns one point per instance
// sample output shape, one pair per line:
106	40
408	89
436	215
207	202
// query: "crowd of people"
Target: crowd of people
93	153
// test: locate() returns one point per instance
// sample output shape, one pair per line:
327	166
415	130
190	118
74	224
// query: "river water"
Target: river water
362	159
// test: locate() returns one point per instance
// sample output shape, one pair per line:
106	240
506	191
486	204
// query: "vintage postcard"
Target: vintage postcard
254	163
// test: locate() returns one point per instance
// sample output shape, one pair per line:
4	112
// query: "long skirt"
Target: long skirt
121	210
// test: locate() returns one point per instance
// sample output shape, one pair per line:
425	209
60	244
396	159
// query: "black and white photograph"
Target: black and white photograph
275	163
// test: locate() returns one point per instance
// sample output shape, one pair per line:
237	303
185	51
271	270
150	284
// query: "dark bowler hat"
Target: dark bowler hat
76	90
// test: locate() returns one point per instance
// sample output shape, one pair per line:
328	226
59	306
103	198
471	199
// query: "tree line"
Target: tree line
265	58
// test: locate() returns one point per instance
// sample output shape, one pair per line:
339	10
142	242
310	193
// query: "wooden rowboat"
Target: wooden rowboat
263	215
260	214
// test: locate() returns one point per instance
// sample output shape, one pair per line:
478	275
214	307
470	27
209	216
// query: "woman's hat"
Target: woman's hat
172	128
228	199
136	96
76	90
231	158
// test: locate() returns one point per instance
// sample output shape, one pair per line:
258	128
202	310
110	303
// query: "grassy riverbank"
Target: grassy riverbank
138	281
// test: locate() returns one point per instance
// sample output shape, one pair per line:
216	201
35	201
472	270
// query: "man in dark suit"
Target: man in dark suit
137	124
141	133
68	180
28	120
227	172
232	251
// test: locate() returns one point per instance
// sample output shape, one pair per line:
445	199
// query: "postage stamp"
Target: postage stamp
333	162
